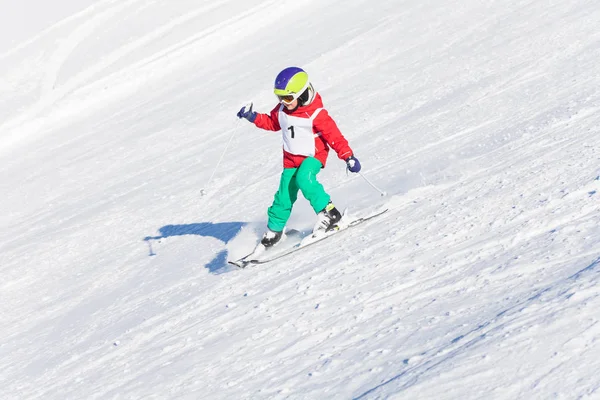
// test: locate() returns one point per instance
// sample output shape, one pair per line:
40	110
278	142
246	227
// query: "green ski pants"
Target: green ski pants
303	178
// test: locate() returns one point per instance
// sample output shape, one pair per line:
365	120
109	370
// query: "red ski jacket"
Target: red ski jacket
327	134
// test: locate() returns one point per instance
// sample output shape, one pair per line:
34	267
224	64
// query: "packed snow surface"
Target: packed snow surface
128	182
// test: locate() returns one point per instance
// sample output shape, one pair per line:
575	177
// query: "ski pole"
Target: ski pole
202	193
383	193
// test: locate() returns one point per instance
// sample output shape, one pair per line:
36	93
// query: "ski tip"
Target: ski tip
243	263
239	263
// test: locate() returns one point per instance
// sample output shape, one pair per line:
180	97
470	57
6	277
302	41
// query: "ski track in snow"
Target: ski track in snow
480	119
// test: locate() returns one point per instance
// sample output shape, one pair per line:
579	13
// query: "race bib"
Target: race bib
298	135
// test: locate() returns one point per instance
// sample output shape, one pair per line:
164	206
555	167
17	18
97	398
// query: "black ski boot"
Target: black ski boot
270	238
327	218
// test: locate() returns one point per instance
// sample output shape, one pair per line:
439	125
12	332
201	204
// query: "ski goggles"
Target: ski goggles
286	99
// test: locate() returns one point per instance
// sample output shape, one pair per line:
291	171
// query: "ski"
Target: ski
254	257
259	250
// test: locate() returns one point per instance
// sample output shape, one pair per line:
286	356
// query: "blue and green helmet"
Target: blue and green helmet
290	84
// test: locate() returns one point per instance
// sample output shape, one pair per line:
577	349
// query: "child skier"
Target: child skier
308	133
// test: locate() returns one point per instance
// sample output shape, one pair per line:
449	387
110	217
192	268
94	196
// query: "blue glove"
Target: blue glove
246	112
353	164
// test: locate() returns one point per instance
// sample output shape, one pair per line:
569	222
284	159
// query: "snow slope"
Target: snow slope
481	119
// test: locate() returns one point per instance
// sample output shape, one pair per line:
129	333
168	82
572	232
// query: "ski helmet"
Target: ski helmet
292	83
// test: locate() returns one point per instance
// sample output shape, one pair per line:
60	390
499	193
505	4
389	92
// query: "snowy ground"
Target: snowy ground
481	119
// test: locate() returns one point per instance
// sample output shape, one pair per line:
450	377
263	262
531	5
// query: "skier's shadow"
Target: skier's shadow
224	231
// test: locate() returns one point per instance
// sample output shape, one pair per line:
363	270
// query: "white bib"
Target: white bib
298	135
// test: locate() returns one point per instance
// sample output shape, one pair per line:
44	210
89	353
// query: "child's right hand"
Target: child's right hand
246	112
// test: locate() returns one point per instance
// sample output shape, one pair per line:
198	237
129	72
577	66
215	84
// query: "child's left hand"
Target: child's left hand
353	164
